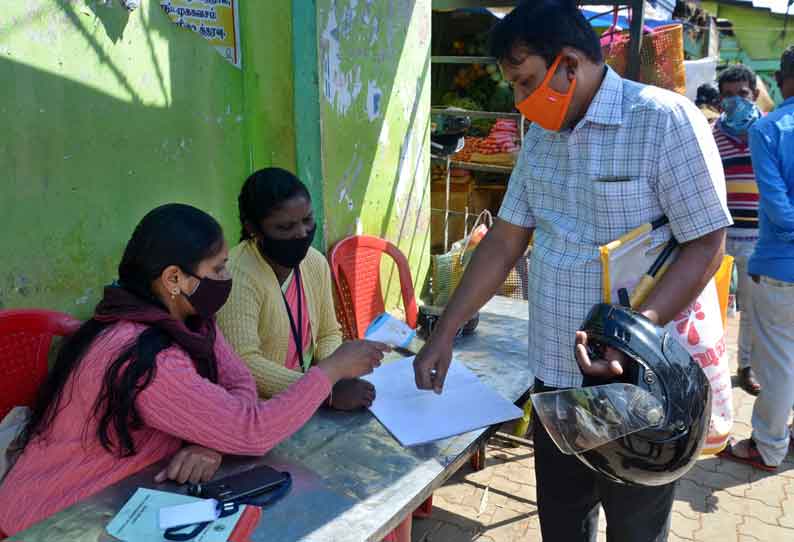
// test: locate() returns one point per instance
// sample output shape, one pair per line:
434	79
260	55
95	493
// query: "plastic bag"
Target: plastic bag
700	328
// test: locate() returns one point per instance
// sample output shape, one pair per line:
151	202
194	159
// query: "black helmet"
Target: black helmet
646	427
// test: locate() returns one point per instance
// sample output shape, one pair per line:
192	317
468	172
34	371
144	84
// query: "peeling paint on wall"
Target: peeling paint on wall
341	88
374	96
375	147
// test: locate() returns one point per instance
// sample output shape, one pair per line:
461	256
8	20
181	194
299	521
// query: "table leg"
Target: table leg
426	510
478	458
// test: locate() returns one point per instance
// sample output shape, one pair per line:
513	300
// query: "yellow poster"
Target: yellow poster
215	20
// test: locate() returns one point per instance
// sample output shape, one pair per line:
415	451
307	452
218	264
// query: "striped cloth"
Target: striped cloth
741	185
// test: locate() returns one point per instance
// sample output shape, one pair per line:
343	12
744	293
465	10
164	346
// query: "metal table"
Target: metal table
352	480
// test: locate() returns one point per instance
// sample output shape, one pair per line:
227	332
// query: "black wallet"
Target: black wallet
241	487
260	486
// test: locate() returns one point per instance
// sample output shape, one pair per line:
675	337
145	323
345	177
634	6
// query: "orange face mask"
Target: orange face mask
545	106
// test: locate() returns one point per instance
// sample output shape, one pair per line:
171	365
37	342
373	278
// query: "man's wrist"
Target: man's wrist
444	330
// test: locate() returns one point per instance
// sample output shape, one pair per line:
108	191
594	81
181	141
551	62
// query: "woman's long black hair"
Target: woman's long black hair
263	192
172	234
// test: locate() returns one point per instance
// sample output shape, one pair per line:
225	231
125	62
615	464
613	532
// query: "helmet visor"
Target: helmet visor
581	419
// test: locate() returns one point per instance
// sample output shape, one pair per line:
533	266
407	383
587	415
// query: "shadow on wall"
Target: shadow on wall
113	20
108	114
374	85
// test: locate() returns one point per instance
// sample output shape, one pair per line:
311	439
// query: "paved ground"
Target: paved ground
718	501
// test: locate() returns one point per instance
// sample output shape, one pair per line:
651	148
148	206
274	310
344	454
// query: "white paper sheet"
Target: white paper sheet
417	416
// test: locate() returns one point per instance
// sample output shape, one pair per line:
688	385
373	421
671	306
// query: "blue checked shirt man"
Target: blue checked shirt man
603	156
638	154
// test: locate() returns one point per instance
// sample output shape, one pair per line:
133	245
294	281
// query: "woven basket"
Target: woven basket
448	268
661	56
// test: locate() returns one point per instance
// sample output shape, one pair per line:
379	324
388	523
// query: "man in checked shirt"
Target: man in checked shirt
603	156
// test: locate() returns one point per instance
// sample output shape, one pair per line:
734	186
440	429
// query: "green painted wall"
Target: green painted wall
107	114
758	31
758	39
308	153
266	30
374	58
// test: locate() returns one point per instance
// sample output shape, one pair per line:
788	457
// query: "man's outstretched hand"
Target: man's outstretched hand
432	363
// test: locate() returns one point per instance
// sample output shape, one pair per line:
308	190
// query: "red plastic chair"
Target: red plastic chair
355	267
25	339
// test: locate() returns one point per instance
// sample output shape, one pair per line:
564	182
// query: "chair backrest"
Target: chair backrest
25	339
355	267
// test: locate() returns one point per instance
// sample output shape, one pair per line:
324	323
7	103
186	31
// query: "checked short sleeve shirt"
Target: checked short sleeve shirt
639	153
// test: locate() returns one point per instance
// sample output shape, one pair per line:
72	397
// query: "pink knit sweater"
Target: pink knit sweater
69	464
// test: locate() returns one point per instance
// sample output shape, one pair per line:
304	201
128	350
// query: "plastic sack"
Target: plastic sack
699	72
700	328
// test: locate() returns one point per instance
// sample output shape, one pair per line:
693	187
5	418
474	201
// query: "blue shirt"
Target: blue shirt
772	148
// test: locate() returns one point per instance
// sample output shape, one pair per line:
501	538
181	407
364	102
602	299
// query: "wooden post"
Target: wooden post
635	44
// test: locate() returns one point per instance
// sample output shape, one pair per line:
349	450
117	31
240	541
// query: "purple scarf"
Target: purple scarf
119	304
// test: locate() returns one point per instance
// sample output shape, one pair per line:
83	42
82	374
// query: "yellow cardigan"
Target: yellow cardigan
255	322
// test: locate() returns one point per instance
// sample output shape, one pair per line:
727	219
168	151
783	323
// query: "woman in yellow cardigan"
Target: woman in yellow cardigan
280	315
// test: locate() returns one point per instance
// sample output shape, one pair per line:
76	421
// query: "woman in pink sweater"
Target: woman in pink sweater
151	377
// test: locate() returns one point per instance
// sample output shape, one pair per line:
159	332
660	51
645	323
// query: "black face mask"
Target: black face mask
210	295
286	252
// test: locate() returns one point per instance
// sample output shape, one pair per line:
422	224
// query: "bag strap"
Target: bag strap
612	30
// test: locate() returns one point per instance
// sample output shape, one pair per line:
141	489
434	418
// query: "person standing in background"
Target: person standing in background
738	93
708	101
772	270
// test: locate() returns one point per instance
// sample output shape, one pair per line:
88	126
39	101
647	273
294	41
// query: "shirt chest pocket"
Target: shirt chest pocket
619	204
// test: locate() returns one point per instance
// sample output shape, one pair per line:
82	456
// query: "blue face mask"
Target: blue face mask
738	115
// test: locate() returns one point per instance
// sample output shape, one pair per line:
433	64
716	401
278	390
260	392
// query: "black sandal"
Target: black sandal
748	382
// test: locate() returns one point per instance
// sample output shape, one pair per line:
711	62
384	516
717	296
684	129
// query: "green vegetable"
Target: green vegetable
481	127
501	99
449	97
463	103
